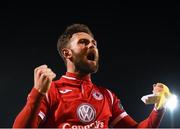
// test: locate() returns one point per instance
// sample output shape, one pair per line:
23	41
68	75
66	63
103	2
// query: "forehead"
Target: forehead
81	35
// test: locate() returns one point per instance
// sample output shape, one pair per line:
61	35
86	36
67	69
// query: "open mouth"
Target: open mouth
91	56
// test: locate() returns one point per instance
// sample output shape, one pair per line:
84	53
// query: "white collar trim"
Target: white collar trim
71	78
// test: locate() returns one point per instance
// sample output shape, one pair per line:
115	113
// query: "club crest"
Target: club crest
97	95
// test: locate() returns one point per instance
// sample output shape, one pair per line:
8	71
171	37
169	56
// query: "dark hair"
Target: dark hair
66	36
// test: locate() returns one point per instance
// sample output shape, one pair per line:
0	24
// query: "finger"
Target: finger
160	84
45	74
157	89
44	77
48	72
43	70
40	67
154	85
38	73
54	75
43	66
51	75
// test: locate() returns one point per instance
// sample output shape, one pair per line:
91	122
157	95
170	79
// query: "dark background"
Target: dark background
137	42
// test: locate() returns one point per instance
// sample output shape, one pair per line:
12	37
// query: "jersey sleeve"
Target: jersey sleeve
35	111
120	118
118	112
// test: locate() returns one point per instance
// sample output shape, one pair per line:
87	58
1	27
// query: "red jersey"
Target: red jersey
77	103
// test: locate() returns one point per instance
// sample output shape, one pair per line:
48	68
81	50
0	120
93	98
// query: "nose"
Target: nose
92	44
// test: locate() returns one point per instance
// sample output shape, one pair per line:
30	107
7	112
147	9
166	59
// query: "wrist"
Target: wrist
156	108
40	90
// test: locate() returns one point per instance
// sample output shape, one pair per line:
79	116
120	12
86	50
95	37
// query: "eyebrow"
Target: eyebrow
93	40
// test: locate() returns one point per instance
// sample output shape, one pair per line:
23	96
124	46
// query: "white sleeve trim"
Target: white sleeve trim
112	99
118	118
42	115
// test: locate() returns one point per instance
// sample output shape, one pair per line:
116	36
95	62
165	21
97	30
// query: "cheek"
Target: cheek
79	53
79	49
76	51
97	52
82	51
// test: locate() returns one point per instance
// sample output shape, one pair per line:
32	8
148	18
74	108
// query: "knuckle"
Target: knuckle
36	69
37	72
43	76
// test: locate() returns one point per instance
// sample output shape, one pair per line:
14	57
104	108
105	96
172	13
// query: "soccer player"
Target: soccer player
74	101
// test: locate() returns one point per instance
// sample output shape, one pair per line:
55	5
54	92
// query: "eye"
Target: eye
94	42
84	41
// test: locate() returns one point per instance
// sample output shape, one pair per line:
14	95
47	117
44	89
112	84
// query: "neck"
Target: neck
78	73
72	69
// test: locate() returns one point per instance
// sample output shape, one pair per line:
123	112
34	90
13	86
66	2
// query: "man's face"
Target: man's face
84	52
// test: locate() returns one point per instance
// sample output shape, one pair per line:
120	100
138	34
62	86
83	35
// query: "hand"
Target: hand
163	92
43	77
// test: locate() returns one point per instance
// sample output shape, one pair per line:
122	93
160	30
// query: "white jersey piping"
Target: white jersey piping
112	100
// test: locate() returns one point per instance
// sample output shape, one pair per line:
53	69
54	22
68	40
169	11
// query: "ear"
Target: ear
67	53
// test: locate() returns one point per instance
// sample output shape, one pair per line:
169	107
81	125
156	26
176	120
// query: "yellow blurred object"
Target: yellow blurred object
163	96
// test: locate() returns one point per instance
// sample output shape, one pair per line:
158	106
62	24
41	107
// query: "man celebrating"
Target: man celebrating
74	101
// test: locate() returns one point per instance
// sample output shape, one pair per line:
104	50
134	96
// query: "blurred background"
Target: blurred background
137	41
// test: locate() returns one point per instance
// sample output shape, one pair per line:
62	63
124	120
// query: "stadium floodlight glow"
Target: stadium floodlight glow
172	102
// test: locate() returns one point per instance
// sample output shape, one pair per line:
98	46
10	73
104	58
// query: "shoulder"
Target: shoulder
108	93
105	90
55	85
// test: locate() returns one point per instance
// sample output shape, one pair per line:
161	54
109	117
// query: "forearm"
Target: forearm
28	116
153	121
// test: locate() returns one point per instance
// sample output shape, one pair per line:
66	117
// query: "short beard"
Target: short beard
84	67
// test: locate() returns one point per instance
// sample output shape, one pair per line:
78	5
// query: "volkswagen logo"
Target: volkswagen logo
86	113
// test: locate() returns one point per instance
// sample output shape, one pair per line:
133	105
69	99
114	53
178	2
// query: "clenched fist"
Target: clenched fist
43	77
